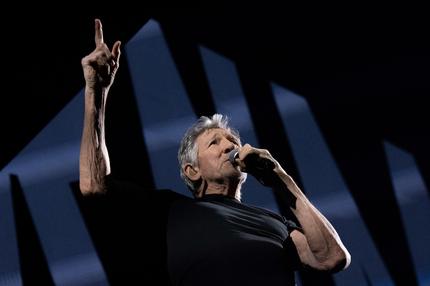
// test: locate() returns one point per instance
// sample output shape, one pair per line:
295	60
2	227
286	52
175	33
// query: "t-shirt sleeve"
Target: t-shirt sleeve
291	225
126	224
290	251
115	213
119	188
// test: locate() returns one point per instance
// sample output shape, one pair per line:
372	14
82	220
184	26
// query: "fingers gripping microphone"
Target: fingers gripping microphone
253	162
260	168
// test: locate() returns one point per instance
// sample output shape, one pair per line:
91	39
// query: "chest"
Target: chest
217	231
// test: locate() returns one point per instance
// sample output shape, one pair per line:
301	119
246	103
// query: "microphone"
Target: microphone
254	164
260	168
232	156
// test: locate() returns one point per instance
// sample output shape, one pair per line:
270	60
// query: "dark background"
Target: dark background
363	70
368	61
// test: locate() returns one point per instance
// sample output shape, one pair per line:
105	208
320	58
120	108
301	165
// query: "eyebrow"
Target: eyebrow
211	138
234	138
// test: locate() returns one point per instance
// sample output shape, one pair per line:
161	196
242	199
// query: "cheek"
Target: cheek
208	163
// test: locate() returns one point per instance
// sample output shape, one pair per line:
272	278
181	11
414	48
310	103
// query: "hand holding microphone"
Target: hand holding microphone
254	163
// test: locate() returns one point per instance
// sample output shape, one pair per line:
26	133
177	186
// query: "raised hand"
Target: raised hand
101	65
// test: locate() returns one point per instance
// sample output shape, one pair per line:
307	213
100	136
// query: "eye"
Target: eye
214	141
234	141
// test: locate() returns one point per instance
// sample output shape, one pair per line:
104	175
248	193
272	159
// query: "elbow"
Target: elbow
89	189
337	262
346	260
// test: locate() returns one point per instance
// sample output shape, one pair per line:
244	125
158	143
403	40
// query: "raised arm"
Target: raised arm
99	68
318	244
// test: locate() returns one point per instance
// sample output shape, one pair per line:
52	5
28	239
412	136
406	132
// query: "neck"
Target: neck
229	190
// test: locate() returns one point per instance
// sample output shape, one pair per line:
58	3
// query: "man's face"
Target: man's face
214	146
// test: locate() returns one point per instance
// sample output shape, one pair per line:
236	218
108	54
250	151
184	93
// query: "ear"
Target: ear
193	173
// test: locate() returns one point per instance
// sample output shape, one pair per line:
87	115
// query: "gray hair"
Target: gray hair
187	153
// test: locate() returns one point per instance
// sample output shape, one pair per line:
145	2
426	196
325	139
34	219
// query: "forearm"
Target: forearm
94	158
322	239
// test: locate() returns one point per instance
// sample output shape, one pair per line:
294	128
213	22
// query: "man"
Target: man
213	239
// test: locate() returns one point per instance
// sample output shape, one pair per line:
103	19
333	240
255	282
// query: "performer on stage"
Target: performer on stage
214	238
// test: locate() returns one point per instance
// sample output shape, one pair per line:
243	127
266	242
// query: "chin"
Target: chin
233	173
236	176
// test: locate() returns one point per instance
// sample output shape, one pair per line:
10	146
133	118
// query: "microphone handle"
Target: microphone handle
260	168
257	165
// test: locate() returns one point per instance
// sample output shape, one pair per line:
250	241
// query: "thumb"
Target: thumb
116	52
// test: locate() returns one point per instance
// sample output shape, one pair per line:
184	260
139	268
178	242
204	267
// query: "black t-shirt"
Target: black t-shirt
164	238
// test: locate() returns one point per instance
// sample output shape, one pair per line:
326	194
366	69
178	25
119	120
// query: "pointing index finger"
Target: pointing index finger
99	32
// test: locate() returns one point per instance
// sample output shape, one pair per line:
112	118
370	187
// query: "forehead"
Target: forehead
213	132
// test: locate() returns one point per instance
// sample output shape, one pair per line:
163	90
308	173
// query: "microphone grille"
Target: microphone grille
233	155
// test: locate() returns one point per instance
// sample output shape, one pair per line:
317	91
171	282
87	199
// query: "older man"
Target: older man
213	239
